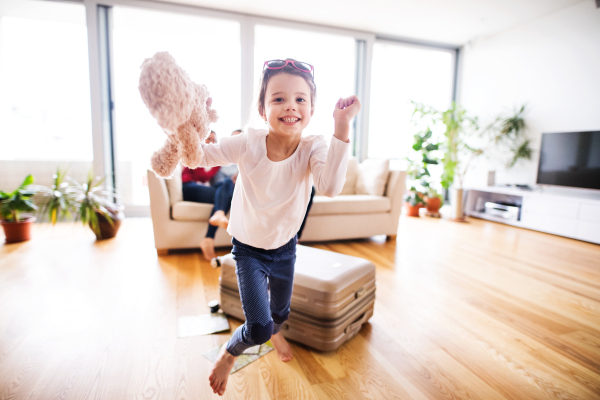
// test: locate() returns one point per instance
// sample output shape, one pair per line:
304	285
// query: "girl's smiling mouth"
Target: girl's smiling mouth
289	120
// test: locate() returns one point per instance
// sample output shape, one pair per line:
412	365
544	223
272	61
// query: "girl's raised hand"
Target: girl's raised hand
346	109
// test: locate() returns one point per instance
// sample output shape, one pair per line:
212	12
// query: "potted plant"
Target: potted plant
58	201
16	227
465	142
413	201
426	153
433	201
95	208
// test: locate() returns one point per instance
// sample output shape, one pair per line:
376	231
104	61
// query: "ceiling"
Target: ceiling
452	22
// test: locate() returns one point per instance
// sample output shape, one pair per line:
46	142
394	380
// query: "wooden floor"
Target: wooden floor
463	311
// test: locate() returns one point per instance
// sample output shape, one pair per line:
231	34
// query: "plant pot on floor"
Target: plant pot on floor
433	204
108	230
17	231
412	211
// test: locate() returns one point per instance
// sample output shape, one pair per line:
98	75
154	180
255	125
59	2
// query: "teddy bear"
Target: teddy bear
182	109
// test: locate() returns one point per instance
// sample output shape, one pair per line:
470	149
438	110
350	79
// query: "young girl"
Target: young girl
277	167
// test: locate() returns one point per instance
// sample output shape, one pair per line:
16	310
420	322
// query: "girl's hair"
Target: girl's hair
267	74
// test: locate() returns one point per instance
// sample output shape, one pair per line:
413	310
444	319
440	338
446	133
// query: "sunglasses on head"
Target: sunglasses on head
299	65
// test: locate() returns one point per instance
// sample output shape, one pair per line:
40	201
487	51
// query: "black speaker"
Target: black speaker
597	3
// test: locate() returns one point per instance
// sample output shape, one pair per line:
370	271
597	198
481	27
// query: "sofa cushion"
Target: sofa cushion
351	177
174	187
191	211
372	176
350	204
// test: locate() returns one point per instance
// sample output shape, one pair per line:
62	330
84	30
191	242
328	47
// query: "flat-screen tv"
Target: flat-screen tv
570	159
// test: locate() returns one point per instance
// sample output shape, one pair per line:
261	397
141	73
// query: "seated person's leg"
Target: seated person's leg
193	191
223	196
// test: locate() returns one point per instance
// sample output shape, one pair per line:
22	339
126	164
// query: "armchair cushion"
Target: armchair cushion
175	188
191	211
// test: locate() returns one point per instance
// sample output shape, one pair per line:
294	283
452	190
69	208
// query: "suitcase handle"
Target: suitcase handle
354	327
360	292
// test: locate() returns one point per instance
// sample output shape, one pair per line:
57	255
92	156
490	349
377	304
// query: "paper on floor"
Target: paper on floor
204	324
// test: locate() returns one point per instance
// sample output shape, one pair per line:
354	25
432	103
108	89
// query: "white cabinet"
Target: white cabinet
533	203
589	212
551	224
588	231
588	226
569	216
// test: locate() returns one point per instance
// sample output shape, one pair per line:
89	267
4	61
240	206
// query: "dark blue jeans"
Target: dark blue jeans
220	195
260	273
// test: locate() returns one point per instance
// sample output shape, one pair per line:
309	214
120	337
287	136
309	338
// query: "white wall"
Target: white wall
552	64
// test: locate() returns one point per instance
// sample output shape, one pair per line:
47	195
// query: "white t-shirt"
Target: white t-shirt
270	198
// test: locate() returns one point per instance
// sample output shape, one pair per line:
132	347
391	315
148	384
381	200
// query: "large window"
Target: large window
334	60
401	73
45	113
46	107
208	49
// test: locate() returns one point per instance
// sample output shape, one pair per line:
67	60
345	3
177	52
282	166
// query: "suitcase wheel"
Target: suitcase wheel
215	262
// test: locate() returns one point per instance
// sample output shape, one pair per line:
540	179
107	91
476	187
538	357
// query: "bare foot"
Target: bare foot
220	371
219	219
284	351
208	248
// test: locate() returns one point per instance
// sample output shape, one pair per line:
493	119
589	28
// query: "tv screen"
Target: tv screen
570	159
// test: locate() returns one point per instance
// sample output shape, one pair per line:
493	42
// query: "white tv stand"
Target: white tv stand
559	214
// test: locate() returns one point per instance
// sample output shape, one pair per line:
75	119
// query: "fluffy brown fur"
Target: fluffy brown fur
181	107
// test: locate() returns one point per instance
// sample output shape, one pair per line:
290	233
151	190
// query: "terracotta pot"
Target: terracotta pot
433	204
108	231
17	231
411	211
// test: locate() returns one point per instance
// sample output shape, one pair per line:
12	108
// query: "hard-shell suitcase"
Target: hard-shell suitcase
333	296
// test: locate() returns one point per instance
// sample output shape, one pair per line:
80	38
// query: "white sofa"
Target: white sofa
182	224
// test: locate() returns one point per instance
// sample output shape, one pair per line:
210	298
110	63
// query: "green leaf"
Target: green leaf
94	223
27	193
28	181
28	206
522	151
5	211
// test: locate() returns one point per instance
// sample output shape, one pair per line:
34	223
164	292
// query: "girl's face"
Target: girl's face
287	107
